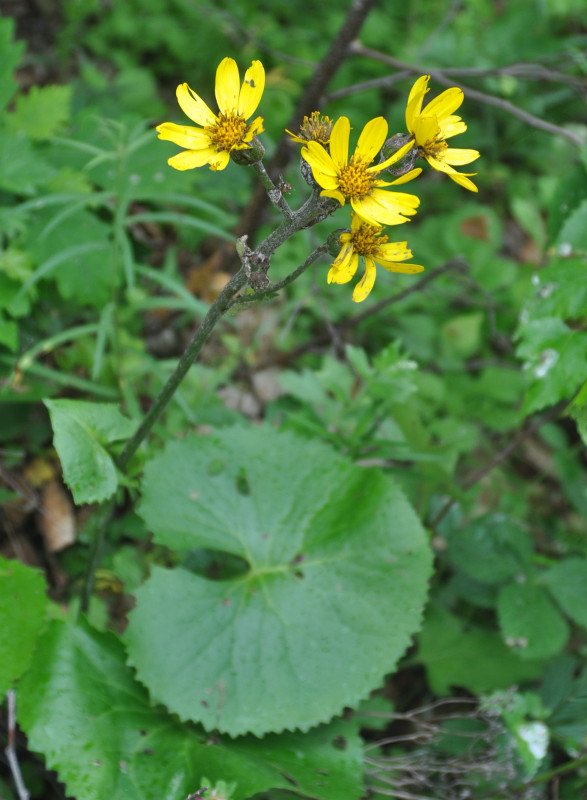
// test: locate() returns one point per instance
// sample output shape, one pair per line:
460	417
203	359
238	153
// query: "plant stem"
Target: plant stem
204	330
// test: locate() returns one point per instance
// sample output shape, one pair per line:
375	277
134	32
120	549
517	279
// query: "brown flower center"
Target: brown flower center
354	181
433	147
228	131
367	239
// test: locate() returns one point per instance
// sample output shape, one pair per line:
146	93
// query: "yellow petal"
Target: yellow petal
345	265
190	159
451	126
193	106
464	181
251	90
393	158
339	142
406	269
426	129
447	102
227	87
457	156
364	286
219	160
184	136
409	176
371	140
393	251
255	127
382	209
318	158
334	193
415	99
439	165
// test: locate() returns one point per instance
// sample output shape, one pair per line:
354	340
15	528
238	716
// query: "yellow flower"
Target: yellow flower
367	241
220	134
354	180
432	125
315	128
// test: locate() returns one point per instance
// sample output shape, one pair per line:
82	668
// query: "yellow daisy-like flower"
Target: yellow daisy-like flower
220	134
368	241
315	128
354	180
432	125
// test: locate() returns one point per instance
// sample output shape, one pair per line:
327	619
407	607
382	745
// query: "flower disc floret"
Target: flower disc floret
368	241
353	180
220	134
432	126
315	128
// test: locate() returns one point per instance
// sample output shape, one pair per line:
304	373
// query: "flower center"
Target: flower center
354	181
316	128
367	239
434	147
229	131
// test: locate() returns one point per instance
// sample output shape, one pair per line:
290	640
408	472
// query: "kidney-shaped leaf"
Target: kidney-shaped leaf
81	707
337	571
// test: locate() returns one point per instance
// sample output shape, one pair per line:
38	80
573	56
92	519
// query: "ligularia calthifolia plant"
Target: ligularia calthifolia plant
337	176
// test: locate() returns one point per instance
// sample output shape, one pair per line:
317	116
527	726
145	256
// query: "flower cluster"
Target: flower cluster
353	179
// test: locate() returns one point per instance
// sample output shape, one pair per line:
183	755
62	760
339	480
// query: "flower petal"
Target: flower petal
393	158
193	106
190	159
319	159
393	251
426	129
255	127
415	100
335	194
184	136
227	87
345	265
339	142
364	286
371	141
464	181
458	156
219	160
251	90
406	269
447	102
451	126
409	176
385	208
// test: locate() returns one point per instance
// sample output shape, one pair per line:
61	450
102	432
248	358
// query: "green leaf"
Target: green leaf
556	361
567	582
10	53
491	548
459	654
530	622
573	234
23	604
22	169
307	630
8	333
81	432
461	336
81	707
42	112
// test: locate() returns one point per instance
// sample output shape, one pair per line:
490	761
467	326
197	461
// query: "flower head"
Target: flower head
436	123
354	180
368	241
315	128
219	134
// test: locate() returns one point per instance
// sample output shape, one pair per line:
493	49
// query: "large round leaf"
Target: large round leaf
337	571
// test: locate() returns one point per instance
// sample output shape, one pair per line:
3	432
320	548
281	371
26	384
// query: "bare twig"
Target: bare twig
10	749
473	94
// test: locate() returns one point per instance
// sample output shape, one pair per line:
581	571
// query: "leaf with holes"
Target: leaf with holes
336	577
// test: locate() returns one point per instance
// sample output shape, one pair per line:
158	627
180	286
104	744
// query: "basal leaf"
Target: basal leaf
337	570
530	622
81	432
23	604
567	583
81	707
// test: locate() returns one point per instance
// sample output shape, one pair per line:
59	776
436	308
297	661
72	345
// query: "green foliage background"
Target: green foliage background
347	513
